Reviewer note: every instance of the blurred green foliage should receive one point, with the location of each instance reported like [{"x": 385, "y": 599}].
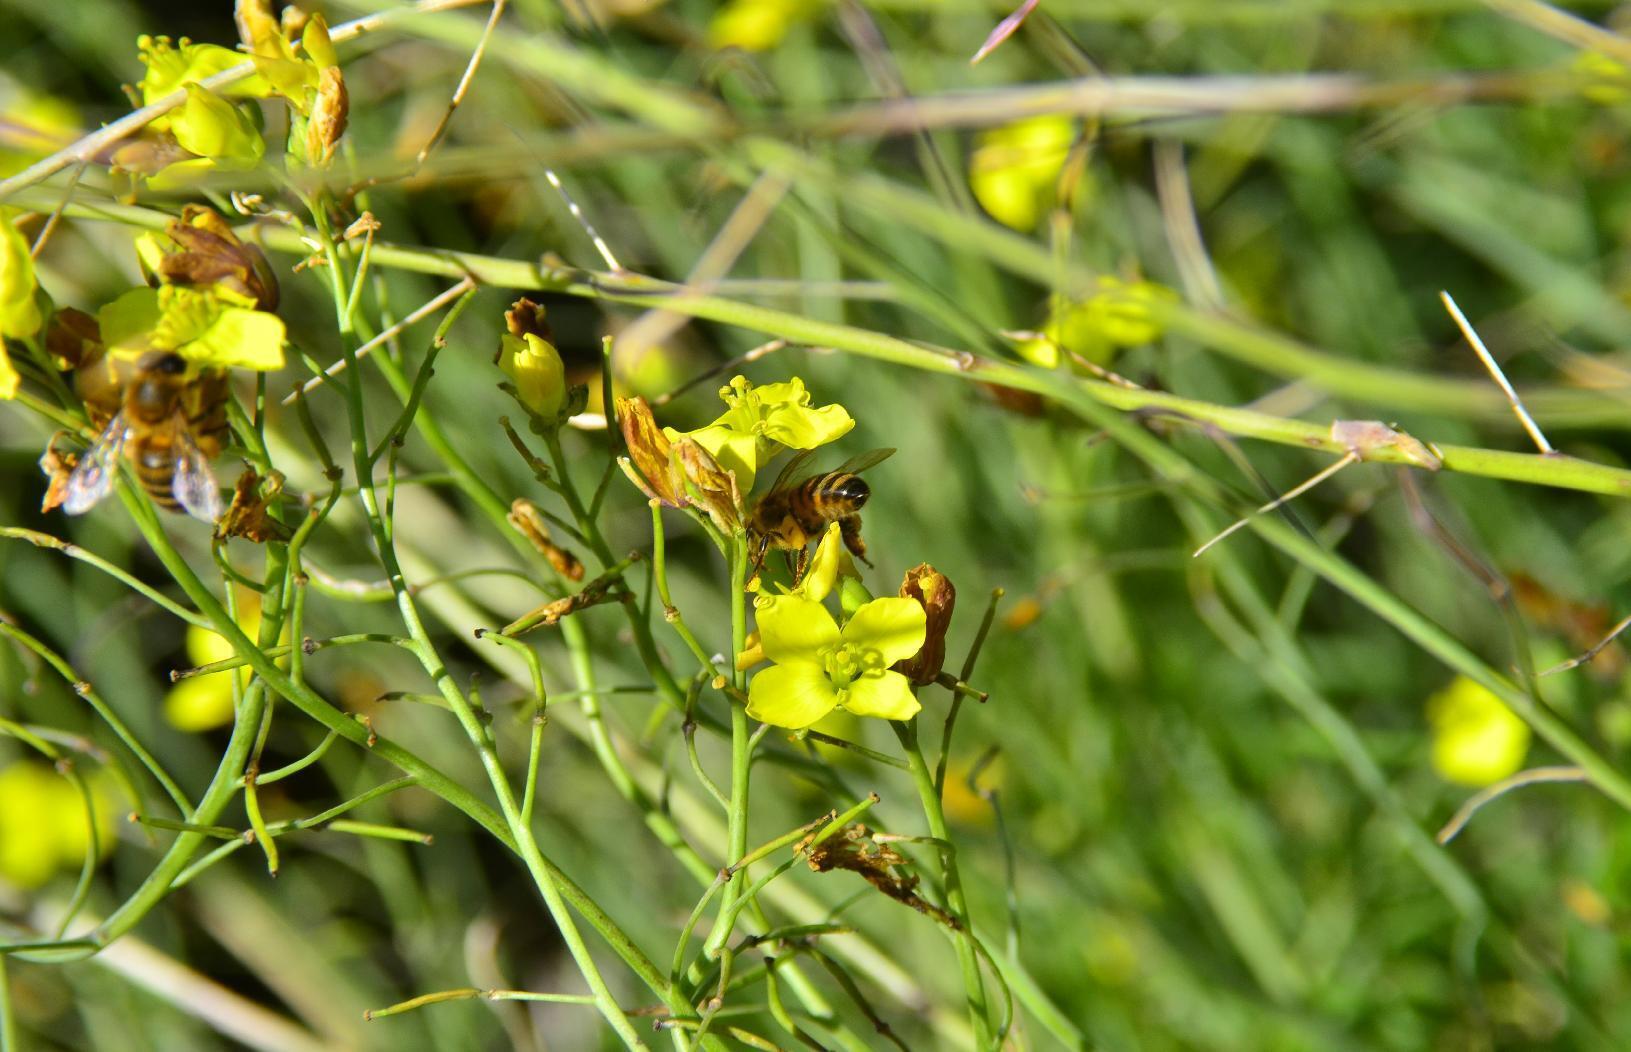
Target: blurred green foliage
[{"x": 1214, "y": 776}]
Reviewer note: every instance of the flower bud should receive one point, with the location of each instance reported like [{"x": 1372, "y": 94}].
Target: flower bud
[
  {"x": 535, "y": 366},
  {"x": 852, "y": 595},
  {"x": 649, "y": 450},
  {"x": 328, "y": 117},
  {"x": 934, "y": 592}
]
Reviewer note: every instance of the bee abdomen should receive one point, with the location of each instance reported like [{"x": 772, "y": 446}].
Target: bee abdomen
[
  {"x": 838, "y": 494},
  {"x": 156, "y": 471}
]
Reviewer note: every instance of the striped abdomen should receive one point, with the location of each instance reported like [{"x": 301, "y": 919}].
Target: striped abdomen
[
  {"x": 153, "y": 453},
  {"x": 830, "y": 497}
]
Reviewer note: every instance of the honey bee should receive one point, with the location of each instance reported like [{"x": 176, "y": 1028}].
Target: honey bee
[
  {"x": 169, "y": 423},
  {"x": 792, "y": 514}
]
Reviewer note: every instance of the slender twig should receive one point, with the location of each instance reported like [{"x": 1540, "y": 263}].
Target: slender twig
[
  {"x": 1533, "y": 776},
  {"x": 1495, "y": 371},
  {"x": 430, "y": 306},
  {"x": 1289, "y": 495}
]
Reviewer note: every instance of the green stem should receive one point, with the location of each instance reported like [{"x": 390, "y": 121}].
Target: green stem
[
  {"x": 956, "y": 905},
  {"x": 741, "y": 753}
]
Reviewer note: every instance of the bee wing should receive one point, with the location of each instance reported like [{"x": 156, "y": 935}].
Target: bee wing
[
  {"x": 194, "y": 486},
  {"x": 92, "y": 477},
  {"x": 861, "y": 461},
  {"x": 790, "y": 469}
]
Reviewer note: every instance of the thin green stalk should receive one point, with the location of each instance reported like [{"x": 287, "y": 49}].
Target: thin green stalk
[
  {"x": 108, "y": 716},
  {"x": 741, "y": 752},
  {"x": 540, "y": 703},
  {"x": 8, "y": 1019},
  {"x": 956, "y": 905},
  {"x": 74, "y": 551}
]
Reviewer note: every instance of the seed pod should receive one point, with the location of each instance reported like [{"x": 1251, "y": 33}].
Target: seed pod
[{"x": 529, "y": 523}]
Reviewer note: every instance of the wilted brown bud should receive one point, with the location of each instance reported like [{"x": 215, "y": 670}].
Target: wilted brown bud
[
  {"x": 525, "y": 316},
  {"x": 714, "y": 488},
  {"x": 247, "y": 516},
  {"x": 649, "y": 449},
  {"x": 529, "y": 523},
  {"x": 72, "y": 337},
  {"x": 328, "y": 117},
  {"x": 56, "y": 466},
  {"x": 935, "y": 594},
  {"x": 256, "y": 23},
  {"x": 211, "y": 254}
]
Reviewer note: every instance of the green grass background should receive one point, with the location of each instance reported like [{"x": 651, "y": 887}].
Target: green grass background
[{"x": 1213, "y": 775}]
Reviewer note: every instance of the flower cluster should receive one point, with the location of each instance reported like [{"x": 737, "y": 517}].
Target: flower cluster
[
  {"x": 210, "y": 299},
  {"x": 220, "y": 131},
  {"x": 761, "y": 421}
]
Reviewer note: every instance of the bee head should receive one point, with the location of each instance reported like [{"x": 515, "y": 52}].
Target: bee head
[{"x": 157, "y": 386}]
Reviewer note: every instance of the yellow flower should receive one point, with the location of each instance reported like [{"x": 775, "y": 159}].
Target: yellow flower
[
  {"x": 535, "y": 366},
  {"x": 755, "y": 25},
  {"x": 202, "y": 703},
  {"x": 43, "y": 824},
  {"x": 1117, "y": 314},
  {"x": 1477, "y": 740},
  {"x": 19, "y": 314},
  {"x": 212, "y": 326},
  {"x": 819, "y": 666},
  {"x": 1014, "y": 171},
  {"x": 760, "y": 421}
]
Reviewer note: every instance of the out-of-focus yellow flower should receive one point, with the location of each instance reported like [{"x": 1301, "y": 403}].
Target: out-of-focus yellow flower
[
  {"x": 756, "y": 25},
  {"x": 202, "y": 703},
  {"x": 1014, "y": 171},
  {"x": 962, "y": 804},
  {"x": 1117, "y": 314},
  {"x": 19, "y": 314},
  {"x": 1477, "y": 740},
  {"x": 43, "y": 824},
  {"x": 1604, "y": 80}
]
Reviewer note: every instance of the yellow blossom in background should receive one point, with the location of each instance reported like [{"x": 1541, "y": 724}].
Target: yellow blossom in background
[
  {"x": 964, "y": 805},
  {"x": 43, "y": 825},
  {"x": 202, "y": 703},
  {"x": 1606, "y": 81},
  {"x": 1118, "y": 314},
  {"x": 1477, "y": 740},
  {"x": 755, "y": 25},
  {"x": 1014, "y": 171}
]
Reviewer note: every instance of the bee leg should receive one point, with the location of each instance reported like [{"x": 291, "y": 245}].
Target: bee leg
[
  {"x": 803, "y": 563},
  {"x": 849, "y": 528},
  {"x": 759, "y": 559}
]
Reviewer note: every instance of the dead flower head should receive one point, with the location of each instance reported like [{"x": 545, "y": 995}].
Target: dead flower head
[{"x": 934, "y": 592}]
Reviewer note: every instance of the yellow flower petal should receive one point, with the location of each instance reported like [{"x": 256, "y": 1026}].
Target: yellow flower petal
[
  {"x": 893, "y": 628},
  {"x": 830, "y": 560},
  {"x": 793, "y": 695},
  {"x": 886, "y": 695},
  {"x": 792, "y": 628}
]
